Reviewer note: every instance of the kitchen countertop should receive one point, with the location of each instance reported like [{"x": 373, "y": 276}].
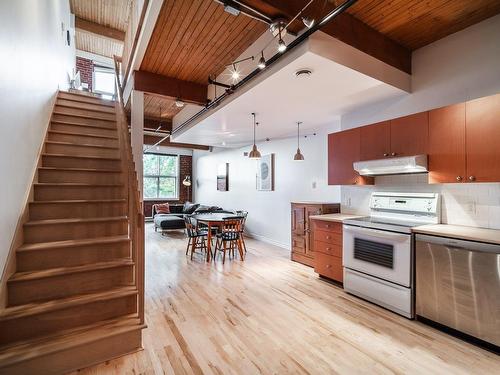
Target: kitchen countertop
[
  {"x": 460, "y": 232},
  {"x": 335, "y": 217}
]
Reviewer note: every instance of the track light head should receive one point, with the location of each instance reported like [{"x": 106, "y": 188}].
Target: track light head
[
  {"x": 235, "y": 74},
  {"x": 262, "y": 61},
  {"x": 281, "y": 45},
  {"x": 308, "y": 22}
]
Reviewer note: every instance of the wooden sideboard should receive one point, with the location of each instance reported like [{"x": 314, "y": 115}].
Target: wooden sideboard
[
  {"x": 302, "y": 238},
  {"x": 327, "y": 240}
]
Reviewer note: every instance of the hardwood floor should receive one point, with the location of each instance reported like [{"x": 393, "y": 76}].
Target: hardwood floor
[{"x": 269, "y": 315}]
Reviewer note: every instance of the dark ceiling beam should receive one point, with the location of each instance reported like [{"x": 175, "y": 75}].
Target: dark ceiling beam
[
  {"x": 345, "y": 28},
  {"x": 156, "y": 84},
  {"x": 151, "y": 140},
  {"x": 100, "y": 30}
]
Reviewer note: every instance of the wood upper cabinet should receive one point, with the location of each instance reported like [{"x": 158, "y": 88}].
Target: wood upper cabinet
[
  {"x": 375, "y": 142},
  {"x": 343, "y": 151},
  {"x": 410, "y": 134},
  {"x": 447, "y": 160},
  {"x": 482, "y": 127}
]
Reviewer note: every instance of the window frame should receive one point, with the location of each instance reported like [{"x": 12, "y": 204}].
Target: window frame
[
  {"x": 102, "y": 69},
  {"x": 177, "y": 178}
]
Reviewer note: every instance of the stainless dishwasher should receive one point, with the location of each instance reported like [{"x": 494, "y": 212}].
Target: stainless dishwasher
[{"x": 458, "y": 285}]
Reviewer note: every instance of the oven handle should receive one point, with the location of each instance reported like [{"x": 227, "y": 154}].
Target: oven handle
[{"x": 377, "y": 233}]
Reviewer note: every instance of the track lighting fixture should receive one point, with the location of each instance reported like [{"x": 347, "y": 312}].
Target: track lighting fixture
[
  {"x": 179, "y": 103},
  {"x": 298, "y": 156},
  {"x": 254, "y": 154},
  {"x": 262, "y": 61},
  {"x": 281, "y": 44},
  {"x": 308, "y": 22},
  {"x": 235, "y": 74}
]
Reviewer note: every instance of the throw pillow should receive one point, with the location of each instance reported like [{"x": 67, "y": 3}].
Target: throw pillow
[
  {"x": 189, "y": 208},
  {"x": 162, "y": 208}
]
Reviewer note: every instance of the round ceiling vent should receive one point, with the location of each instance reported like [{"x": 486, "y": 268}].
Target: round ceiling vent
[{"x": 303, "y": 73}]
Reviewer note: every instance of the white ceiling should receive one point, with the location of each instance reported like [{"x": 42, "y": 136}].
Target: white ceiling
[{"x": 282, "y": 99}]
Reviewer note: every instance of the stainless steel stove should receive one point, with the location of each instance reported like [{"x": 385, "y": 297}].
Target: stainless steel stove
[{"x": 378, "y": 249}]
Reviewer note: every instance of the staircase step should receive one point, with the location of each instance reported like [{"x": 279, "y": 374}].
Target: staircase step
[
  {"x": 73, "y": 349},
  {"x": 84, "y": 113},
  {"x": 76, "y": 191},
  {"x": 30, "y": 321},
  {"x": 55, "y": 283},
  {"x": 90, "y": 139},
  {"x": 70, "y": 253},
  {"x": 61, "y": 102},
  {"x": 87, "y": 162},
  {"x": 83, "y": 120},
  {"x": 80, "y": 208},
  {"x": 83, "y": 175},
  {"x": 83, "y": 98},
  {"x": 74, "y": 229},
  {"x": 84, "y": 129},
  {"x": 80, "y": 149}
]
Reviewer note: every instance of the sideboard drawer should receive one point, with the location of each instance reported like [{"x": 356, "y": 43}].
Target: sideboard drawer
[
  {"x": 328, "y": 266},
  {"x": 328, "y": 237},
  {"x": 329, "y": 249},
  {"x": 328, "y": 226}
]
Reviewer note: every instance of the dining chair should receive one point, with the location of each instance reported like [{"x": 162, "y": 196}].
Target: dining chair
[
  {"x": 229, "y": 237},
  {"x": 244, "y": 215},
  {"x": 197, "y": 238}
]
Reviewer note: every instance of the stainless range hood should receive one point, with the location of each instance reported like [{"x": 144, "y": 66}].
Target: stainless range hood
[{"x": 397, "y": 165}]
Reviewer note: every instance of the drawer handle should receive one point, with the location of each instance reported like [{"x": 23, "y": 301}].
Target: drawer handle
[
  {"x": 328, "y": 248},
  {"x": 328, "y": 266},
  {"x": 327, "y": 226},
  {"x": 327, "y": 237}
]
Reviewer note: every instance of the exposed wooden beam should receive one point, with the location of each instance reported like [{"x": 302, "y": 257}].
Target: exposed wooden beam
[
  {"x": 151, "y": 140},
  {"x": 345, "y": 27},
  {"x": 156, "y": 84},
  {"x": 102, "y": 31}
]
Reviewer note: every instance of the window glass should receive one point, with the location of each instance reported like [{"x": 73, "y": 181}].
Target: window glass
[
  {"x": 104, "y": 81},
  {"x": 160, "y": 176}
]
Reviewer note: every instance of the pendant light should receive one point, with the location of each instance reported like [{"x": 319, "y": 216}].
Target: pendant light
[
  {"x": 281, "y": 43},
  {"x": 298, "y": 156},
  {"x": 262, "y": 61},
  {"x": 254, "y": 154}
]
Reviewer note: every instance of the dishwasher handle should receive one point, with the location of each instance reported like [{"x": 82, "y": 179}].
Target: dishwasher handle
[{"x": 455, "y": 243}]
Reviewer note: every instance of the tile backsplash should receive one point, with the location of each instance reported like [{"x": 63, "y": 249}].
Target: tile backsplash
[{"x": 469, "y": 204}]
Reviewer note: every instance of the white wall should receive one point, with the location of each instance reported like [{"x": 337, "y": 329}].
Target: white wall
[
  {"x": 35, "y": 61},
  {"x": 269, "y": 212},
  {"x": 460, "y": 67}
]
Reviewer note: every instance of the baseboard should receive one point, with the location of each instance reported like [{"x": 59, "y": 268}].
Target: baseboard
[{"x": 268, "y": 240}]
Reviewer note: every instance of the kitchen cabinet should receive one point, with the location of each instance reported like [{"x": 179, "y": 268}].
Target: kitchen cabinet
[
  {"x": 328, "y": 249},
  {"x": 302, "y": 238},
  {"x": 343, "y": 151},
  {"x": 447, "y": 158},
  {"x": 482, "y": 129},
  {"x": 410, "y": 135},
  {"x": 375, "y": 142}
]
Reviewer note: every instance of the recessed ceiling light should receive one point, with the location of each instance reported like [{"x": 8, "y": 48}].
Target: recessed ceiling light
[{"x": 303, "y": 73}]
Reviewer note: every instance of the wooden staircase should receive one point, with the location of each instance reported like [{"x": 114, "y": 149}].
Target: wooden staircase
[{"x": 76, "y": 296}]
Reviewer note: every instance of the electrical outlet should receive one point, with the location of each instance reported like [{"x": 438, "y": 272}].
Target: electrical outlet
[{"x": 314, "y": 185}]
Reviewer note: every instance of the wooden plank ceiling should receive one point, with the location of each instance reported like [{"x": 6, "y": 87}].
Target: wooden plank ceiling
[
  {"x": 160, "y": 107},
  {"x": 194, "y": 39},
  {"x": 112, "y": 14}
]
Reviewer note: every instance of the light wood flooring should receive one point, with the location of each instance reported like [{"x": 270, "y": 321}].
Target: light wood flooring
[{"x": 269, "y": 315}]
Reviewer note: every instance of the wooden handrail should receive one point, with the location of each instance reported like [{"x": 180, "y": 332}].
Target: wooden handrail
[{"x": 134, "y": 202}]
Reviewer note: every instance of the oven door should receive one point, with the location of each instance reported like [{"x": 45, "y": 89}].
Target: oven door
[{"x": 379, "y": 253}]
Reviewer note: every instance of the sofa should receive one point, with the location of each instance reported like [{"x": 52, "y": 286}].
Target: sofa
[{"x": 175, "y": 219}]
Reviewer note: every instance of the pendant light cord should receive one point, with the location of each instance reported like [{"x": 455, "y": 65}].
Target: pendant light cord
[
  {"x": 253, "y": 114},
  {"x": 298, "y": 135}
]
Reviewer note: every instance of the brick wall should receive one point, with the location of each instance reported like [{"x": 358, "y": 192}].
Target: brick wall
[
  {"x": 86, "y": 68},
  {"x": 185, "y": 169}
]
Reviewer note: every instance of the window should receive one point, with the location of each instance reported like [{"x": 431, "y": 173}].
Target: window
[
  {"x": 104, "y": 81},
  {"x": 161, "y": 175}
]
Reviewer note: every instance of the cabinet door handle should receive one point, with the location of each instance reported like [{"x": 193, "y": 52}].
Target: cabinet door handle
[
  {"x": 472, "y": 178},
  {"x": 459, "y": 178},
  {"x": 327, "y": 237},
  {"x": 393, "y": 153},
  {"x": 328, "y": 266},
  {"x": 328, "y": 248},
  {"x": 386, "y": 154},
  {"x": 327, "y": 225}
]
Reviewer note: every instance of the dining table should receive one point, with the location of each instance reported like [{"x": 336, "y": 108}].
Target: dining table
[{"x": 212, "y": 219}]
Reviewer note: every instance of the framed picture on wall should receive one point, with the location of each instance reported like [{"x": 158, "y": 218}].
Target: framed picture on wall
[
  {"x": 223, "y": 177},
  {"x": 265, "y": 173}
]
